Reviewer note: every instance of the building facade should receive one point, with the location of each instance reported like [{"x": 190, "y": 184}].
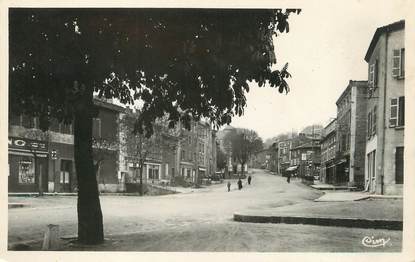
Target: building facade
[
  {"x": 196, "y": 152},
  {"x": 306, "y": 159},
  {"x": 284, "y": 155},
  {"x": 328, "y": 153},
  {"x": 44, "y": 161},
  {"x": 386, "y": 110},
  {"x": 285, "y": 158},
  {"x": 273, "y": 159},
  {"x": 351, "y": 133}
]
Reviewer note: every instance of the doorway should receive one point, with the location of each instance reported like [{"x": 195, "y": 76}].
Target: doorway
[{"x": 65, "y": 176}]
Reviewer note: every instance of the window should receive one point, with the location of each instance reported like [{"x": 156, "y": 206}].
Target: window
[
  {"x": 399, "y": 165},
  {"x": 398, "y": 60},
  {"x": 183, "y": 155},
  {"x": 153, "y": 172},
  {"x": 65, "y": 171},
  {"x": 397, "y": 114},
  {"x": 96, "y": 127},
  {"x": 26, "y": 172}
]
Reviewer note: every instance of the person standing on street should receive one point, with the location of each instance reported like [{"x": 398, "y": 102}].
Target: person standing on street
[
  {"x": 239, "y": 184},
  {"x": 249, "y": 180},
  {"x": 229, "y": 186},
  {"x": 288, "y": 177}
]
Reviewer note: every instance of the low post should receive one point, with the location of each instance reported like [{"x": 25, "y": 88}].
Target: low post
[{"x": 51, "y": 239}]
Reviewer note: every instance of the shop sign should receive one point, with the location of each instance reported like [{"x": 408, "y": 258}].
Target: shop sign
[{"x": 29, "y": 145}]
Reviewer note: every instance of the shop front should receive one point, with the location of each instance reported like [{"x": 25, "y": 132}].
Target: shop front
[
  {"x": 341, "y": 172},
  {"x": 28, "y": 165}
]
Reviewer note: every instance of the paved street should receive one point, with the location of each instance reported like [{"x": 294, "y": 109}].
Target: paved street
[{"x": 198, "y": 221}]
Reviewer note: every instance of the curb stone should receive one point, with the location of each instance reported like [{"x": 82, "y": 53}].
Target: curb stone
[
  {"x": 17, "y": 205},
  {"x": 322, "y": 221}
]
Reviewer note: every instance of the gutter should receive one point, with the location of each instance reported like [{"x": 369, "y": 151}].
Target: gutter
[{"x": 384, "y": 115}]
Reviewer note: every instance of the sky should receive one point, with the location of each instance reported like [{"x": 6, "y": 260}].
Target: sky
[{"x": 325, "y": 48}]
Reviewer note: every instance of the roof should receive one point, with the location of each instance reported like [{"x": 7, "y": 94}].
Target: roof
[
  {"x": 381, "y": 30},
  {"x": 329, "y": 128},
  {"x": 358, "y": 83}
]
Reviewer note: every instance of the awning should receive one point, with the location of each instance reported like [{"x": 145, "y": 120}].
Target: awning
[{"x": 291, "y": 168}]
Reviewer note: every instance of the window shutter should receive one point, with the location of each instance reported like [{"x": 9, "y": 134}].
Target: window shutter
[
  {"x": 375, "y": 109},
  {"x": 399, "y": 165},
  {"x": 402, "y": 62},
  {"x": 369, "y": 123},
  {"x": 375, "y": 73},
  {"x": 401, "y": 111},
  {"x": 371, "y": 74},
  {"x": 396, "y": 63},
  {"x": 393, "y": 120}
]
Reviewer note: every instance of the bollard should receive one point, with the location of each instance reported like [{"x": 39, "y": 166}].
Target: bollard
[{"x": 51, "y": 239}]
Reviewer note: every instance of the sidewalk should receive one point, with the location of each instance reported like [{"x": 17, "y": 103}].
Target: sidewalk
[{"x": 347, "y": 209}]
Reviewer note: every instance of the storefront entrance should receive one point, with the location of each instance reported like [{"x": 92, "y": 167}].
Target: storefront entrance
[
  {"x": 65, "y": 178},
  {"x": 28, "y": 165},
  {"x": 371, "y": 172}
]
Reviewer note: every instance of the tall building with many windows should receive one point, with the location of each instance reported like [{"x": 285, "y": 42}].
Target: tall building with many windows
[
  {"x": 386, "y": 110},
  {"x": 350, "y": 132},
  {"x": 44, "y": 161}
]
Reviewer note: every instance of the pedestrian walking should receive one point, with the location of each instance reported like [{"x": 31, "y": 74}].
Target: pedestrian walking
[
  {"x": 249, "y": 180},
  {"x": 288, "y": 177},
  {"x": 229, "y": 186},
  {"x": 239, "y": 184}
]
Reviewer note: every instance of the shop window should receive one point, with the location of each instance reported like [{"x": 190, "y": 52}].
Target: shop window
[{"x": 26, "y": 172}]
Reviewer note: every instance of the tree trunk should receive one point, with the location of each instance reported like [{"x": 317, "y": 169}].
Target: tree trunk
[
  {"x": 141, "y": 182},
  {"x": 90, "y": 226},
  {"x": 141, "y": 179}
]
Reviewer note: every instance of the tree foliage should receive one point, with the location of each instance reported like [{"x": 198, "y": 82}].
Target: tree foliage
[
  {"x": 182, "y": 63},
  {"x": 221, "y": 158},
  {"x": 186, "y": 63},
  {"x": 244, "y": 143}
]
